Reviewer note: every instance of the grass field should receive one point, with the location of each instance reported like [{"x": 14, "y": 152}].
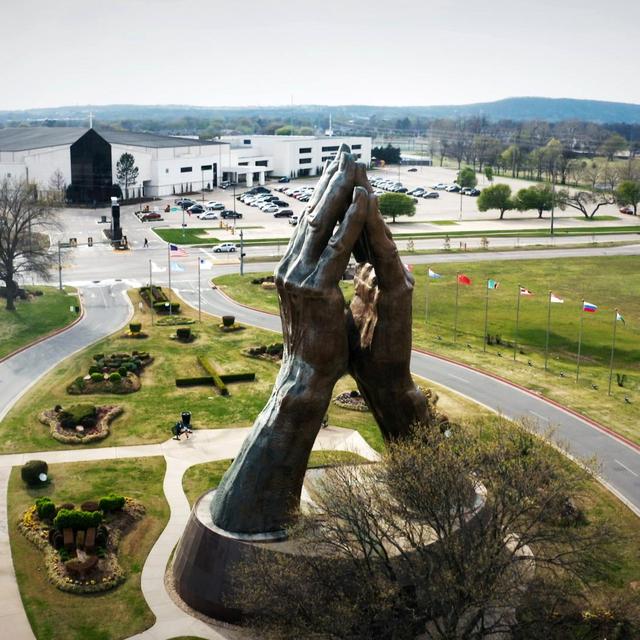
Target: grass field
[
  {"x": 607, "y": 282},
  {"x": 35, "y": 318},
  {"x": 115, "y": 614}
]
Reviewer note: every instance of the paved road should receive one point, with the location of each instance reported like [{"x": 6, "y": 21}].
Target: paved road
[{"x": 106, "y": 310}]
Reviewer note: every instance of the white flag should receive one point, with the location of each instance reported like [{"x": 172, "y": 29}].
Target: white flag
[{"x": 553, "y": 298}]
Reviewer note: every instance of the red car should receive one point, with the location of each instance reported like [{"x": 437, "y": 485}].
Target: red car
[
  {"x": 151, "y": 216},
  {"x": 628, "y": 210}
]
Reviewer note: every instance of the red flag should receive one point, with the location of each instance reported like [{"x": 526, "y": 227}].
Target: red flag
[{"x": 462, "y": 279}]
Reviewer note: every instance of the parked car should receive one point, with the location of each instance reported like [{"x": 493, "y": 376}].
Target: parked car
[
  {"x": 283, "y": 213},
  {"x": 453, "y": 188},
  {"x": 153, "y": 215},
  {"x": 430, "y": 194},
  {"x": 412, "y": 170},
  {"x": 225, "y": 183},
  {"x": 196, "y": 208},
  {"x": 280, "y": 203},
  {"x": 293, "y": 220},
  {"x": 208, "y": 215},
  {"x": 227, "y": 214},
  {"x": 225, "y": 247},
  {"x": 418, "y": 191},
  {"x": 218, "y": 206},
  {"x": 181, "y": 202},
  {"x": 401, "y": 189},
  {"x": 474, "y": 192},
  {"x": 441, "y": 186},
  {"x": 271, "y": 209},
  {"x": 628, "y": 210},
  {"x": 283, "y": 179}
]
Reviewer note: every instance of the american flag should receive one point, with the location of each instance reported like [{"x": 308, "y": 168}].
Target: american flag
[{"x": 176, "y": 252}]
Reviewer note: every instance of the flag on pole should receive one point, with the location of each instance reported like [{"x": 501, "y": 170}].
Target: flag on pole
[
  {"x": 619, "y": 317},
  {"x": 462, "y": 279},
  {"x": 492, "y": 284},
  {"x": 176, "y": 251},
  {"x": 205, "y": 265},
  {"x": 588, "y": 307},
  {"x": 433, "y": 274},
  {"x": 525, "y": 292},
  {"x": 553, "y": 298}
]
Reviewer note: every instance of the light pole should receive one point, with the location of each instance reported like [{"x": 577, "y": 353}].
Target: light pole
[
  {"x": 241, "y": 253},
  {"x": 234, "y": 206},
  {"x": 59, "y": 267}
]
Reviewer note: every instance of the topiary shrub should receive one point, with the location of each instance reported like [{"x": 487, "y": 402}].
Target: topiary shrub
[
  {"x": 123, "y": 372},
  {"x": 77, "y": 520},
  {"x": 31, "y": 471},
  {"x": 45, "y": 508},
  {"x": 183, "y": 334},
  {"x": 98, "y": 357},
  {"x": 228, "y": 321},
  {"x": 111, "y": 503},
  {"x": 115, "y": 377},
  {"x": 94, "y": 369},
  {"x": 97, "y": 377},
  {"x": 79, "y": 414},
  {"x": 135, "y": 327}
]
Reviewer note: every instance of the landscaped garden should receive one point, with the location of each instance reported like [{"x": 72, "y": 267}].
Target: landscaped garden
[
  {"x": 35, "y": 316},
  {"x": 87, "y": 530},
  {"x": 609, "y": 282}
]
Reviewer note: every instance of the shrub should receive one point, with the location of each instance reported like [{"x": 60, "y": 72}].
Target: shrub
[
  {"x": 76, "y": 519},
  {"x": 67, "y": 505},
  {"x": 228, "y": 321},
  {"x": 183, "y": 334},
  {"x": 79, "y": 414},
  {"x": 94, "y": 369},
  {"x": 135, "y": 327},
  {"x": 97, "y": 377},
  {"x": 90, "y": 505},
  {"x": 193, "y": 382},
  {"x": 123, "y": 372},
  {"x": 45, "y": 508},
  {"x": 111, "y": 503},
  {"x": 98, "y": 357},
  {"x": 31, "y": 471},
  {"x": 275, "y": 349},
  {"x": 115, "y": 377}
]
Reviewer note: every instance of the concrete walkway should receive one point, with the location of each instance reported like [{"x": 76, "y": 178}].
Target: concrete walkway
[{"x": 204, "y": 445}]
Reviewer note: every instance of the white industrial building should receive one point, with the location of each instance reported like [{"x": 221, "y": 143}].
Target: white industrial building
[{"x": 86, "y": 159}]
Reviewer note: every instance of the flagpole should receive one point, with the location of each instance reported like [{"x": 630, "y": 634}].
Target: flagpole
[
  {"x": 169, "y": 271},
  {"x": 579, "y": 342},
  {"x": 515, "y": 342},
  {"x": 199, "y": 298},
  {"x": 486, "y": 317},
  {"x": 455, "y": 319},
  {"x": 613, "y": 347},
  {"x": 426, "y": 301},
  {"x": 151, "y": 293},
  {"x": 546, "y": 346}
]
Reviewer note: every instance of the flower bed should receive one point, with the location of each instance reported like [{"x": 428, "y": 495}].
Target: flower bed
[
  {"x": 272, "y": 352},
  {"x": 104, "y": 416},
  {"x": 351, "y": 400},
  {"x": 85, "y": 572}
]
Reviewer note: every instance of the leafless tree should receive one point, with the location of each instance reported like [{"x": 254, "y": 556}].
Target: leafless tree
[
  {"x": 586, "y": 202},
  {"x": 24, "y": 247},
  {"x": 415, "y": 547}
]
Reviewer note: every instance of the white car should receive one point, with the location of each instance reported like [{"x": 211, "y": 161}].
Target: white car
[
  {"x": 293, "y": 220},
  {"x": 225, "y": 247},
  {"x": 207, "y": 215},
  {"x": 271, "y": 208},
  {"x": 212, "y": 203}
]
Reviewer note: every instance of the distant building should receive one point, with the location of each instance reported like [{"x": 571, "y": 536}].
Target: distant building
[{"x": 86, "y": 158}]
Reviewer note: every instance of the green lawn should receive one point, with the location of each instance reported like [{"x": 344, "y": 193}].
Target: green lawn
[
  {"x": 206, "y": 476},
  {"x": 36, "y": 317},
  {"x": 607, "y": 282},
  {"x": 121, "y": 612}
]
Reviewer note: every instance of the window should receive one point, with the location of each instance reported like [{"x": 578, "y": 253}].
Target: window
[
  {"x": 325, "y": 158},
  {"x": 305, "y": 160},
  {"x": 185, "y": 169},
  {"x": 243, "y": 164},
  {"x": 262, "y": 163},
  {"x": 356, "y": 146},
  {"x": 305, "y": 150},
  {"x": 330, "y": 148},
  {"x": 247, "y": 141},
  {"x": 206, "y": 167}
]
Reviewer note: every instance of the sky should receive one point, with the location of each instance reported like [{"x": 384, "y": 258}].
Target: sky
[{"x": 379, "y": 52}]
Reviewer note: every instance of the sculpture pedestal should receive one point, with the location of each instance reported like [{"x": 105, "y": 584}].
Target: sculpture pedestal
[{"x": 206, "y": 558}]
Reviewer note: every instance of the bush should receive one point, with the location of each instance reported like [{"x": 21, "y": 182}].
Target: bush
[
  {"x": 135, "y": 327},
  {"x": 31, "y": 471},
  {"x": 94, "y": 369},
  {"x": 228, "y": 321},
  {"x": 183, "y": 334},
  {"x": 79, "y": 414},
  {"x": 193, "y": 382},
  {"x": 115, "y": 377},
  {"x": 97, "y": 377},
  {"x": 67, "y": 505},
  {"x": 123, "y": 372},
  {"x": 111, "y": 503},
  {"x": 98, "y": 357},
  {"x": 76, "y": 519},
  {"x": 45, "y": 508}
]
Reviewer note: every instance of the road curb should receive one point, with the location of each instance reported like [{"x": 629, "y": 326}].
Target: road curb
[{"x": 56, "y": 332}]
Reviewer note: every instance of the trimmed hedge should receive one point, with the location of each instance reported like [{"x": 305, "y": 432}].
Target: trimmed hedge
[
  {"x": 31, "y": 470},
  {"x": 183, "y": 334},
  {"x": 228, "y": 321},
  {"x": 97, "y": 377},
  {"x": 115, "y": 377},
  {"x": 135, "y": 327},
  {"x": 76, "y": 519},
  {"x": 79, "y": 414},
  {"x": 193, "y": 382},
  {"x": 45, "y": 508},
  {"x": 111, "y": 503},
  {"x": 228, "y": 378},
  {"x": 211, "y": 370}
]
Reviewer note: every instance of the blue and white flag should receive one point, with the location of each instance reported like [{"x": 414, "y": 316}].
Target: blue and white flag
[{"x": 434, "y": 275}]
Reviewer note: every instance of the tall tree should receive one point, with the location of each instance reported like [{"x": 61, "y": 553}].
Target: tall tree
[
  {"x": 126, "y": 172},
  {"x": 393, "y": 205},
  {"x": 612, "y": 145},
  {"x": 497, "y": 196},
  {"x": 628, "y": 194},
  {"x": 24, "y": 247},
  {"x": 539, "y": 197},
  {"x": 467, "y": 177}
]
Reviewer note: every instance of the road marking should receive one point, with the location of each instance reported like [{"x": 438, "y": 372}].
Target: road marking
[
  {"x": 624, "y": 466},
  {"x": 453, "y": 375},
  {"x": 537, "y": 415}
]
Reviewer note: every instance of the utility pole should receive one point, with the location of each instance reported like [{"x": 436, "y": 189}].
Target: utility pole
[
  {"x": 59, "y": 267},
  {"x": 241, "y": 253}
]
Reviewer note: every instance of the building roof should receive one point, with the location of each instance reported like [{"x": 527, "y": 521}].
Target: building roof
[{"x": 24, "y": 138}]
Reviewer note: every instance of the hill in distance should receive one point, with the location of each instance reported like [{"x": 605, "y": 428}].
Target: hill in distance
[{"x": 521, "y": 108}]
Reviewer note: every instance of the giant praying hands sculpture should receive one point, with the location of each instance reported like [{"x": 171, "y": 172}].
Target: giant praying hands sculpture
[{"x": 324, "y": 339}]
